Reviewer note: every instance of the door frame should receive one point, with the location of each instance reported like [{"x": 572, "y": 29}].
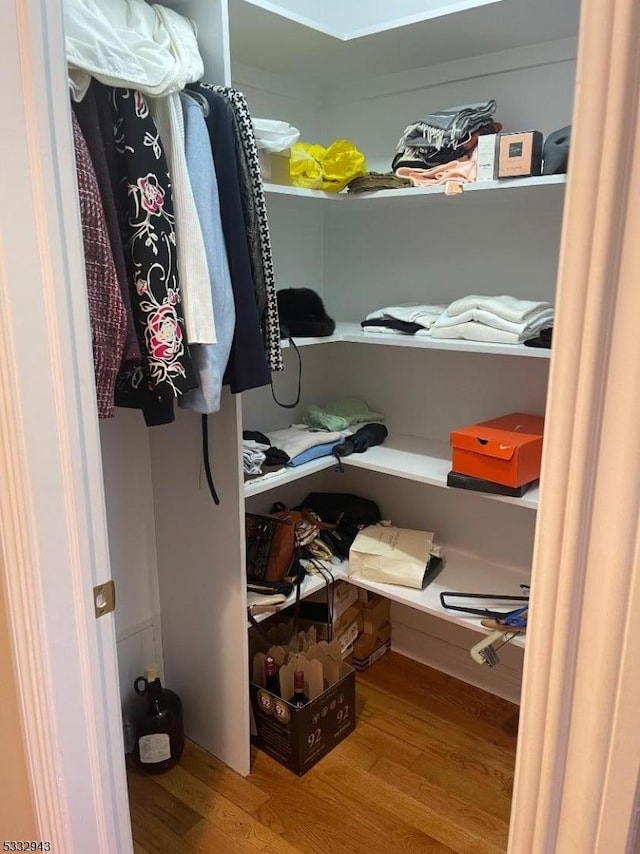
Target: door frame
[
  {"x": 579, "y": 746},
  {"x": 53, "y": 521}
]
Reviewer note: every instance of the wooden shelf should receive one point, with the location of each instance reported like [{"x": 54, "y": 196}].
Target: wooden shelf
[
  {"x": 274, "y": 480},
  {"x": 461, "y": 573},
  {"x": 407, "y": 457},
  {"x": 426, "y": 462},
  {"x": 353, "y": 333},
  {"x": 310, "y": 585},
  {"x": 403, "y": 197}
]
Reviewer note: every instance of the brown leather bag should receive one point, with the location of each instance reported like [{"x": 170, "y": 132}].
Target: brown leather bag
[{"x": 271, "y": 547}]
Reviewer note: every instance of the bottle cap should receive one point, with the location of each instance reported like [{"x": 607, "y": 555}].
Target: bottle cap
[
  {"x": 270, "y": 667},
  {"x": 298, "y": 680},
  {"x": 151, "y": 672}
]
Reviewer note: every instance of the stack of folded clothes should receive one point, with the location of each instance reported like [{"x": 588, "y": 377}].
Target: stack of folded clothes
[
  {"x": 259, "y": 455},
  {"x": 373, "y": 181},
  {"x": 303, "y": 443},
  {"x": 339, "y": 428},
  {"x": 441, "y": 147},
  {"x": 407, "y": 319},
  {"x": 498, "y": 319},
  {"x": 341, "y": 414}
]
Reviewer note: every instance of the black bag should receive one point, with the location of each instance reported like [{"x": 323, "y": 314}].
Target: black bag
[{"x": 349, "y": 513}]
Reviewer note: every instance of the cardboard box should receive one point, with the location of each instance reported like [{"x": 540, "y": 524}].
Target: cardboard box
[
  {"x": 345, "y": 595},
  {"x": 519, "y": 154},
  {"x": 506, "y": 450},
  {"x": 369, "y": 648},
  {"x": 299, "y": 738},
  {"x": 376, "y": 615},
  {"x": 365, "y": 663},
  {"x": 366, "y": 596},
  {"x": 274, "y": 168},
  {"x": 487, "y": 145},
  {"x": 351, "y": 615}
]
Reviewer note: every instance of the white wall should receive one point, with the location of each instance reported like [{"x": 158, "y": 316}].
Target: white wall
[
  {"x": 538, "y": 98},
  {"x": 503, "y": 242},
  {"x": 132, "y": 544}
]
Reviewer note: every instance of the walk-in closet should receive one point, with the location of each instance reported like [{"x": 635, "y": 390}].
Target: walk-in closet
[{"x": 361, "y": 72}]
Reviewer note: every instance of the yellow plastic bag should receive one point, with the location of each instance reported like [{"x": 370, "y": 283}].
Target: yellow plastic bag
[{"x": 329, "y": 169}]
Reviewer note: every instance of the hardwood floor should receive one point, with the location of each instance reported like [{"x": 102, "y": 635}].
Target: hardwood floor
[{"x": 429, "y": 768}]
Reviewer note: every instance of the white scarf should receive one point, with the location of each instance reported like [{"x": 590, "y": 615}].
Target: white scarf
[{"x": 130, "y": 44}]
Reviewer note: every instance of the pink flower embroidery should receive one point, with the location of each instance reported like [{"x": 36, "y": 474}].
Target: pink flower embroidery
[
  {"x": 151, "y": 194},
  {"x": 164, "y": 334},
  {"x": 140, "y": 105},
  {"x": 142, "y": 287}
]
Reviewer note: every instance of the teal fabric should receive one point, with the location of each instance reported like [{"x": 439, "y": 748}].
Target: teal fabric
[{"x": 341, "y": 414}]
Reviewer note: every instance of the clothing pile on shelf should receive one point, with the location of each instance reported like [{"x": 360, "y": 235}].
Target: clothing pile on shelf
[
  {"x": 178, "y": 255},
  {"x": 259, "y": 455},
  {"x": 500, "y": 320},
  {"x": 489, "y": 319},
  {"x": 377, "y": 181},
  {"x": 274, "y": 136},
  {"x": 408, "y": 319},
  {"x": 441, "y": 148},
  {"x": 340, "y": 428}
]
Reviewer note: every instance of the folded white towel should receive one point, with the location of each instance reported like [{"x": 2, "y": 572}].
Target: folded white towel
[
  {"x": 533, "y": 322},
  {"x": 507, "y": 307},
  {"x": 425, "y": 315},
  {"x": 474, "y": 331}
]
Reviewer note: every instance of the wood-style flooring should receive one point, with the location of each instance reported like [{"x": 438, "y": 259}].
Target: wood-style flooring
[{"x": 429, "y": 768}]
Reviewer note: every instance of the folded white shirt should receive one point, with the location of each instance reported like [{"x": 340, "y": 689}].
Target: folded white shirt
[
  {"x": 425, "y": 315},
  {"x": 507, "y": 307},
  {"x": 474, "y": 331},
  {"x": 534, "y": 321}
]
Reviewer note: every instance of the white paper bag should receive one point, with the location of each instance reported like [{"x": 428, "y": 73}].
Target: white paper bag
[{"x": 391, "y": 555}]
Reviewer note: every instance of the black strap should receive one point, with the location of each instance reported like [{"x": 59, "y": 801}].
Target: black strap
[
  {"x": 205, "y": 456},
  {"x": 297, "y": 400}
]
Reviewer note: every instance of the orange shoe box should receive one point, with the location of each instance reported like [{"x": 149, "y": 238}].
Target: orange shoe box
[{"x": 505, "y": 450}]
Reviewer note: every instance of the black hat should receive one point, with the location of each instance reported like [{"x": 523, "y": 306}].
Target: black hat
[
  {"x": 302, "y": 314},
  {"x": 555, "y": 153}
]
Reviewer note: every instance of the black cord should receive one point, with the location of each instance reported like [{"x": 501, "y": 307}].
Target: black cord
[
  {"x": 297, "y": 400},
  {"x": 324, "y": 570},
  {"x": 205, "y": 455}
]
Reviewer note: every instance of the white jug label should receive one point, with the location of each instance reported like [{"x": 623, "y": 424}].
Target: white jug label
[{"x": 154, "y": 748}]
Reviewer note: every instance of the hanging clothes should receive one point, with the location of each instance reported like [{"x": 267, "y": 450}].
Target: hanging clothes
[
  {"x": 146, "y": 194},
  {"x": 209, "y": 360},
  {"x": 255, "y": 210},
  {"x": 130, "y": 44},
  {"x": 195, "y": 284},
  {"x": 94, "y": 117},
  {"x": 107, "y": 314},
  {"x": 247, "y": 366}
]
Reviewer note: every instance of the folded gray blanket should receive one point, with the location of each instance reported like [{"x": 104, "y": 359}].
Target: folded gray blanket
[{"x": 447, "y": 128}]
